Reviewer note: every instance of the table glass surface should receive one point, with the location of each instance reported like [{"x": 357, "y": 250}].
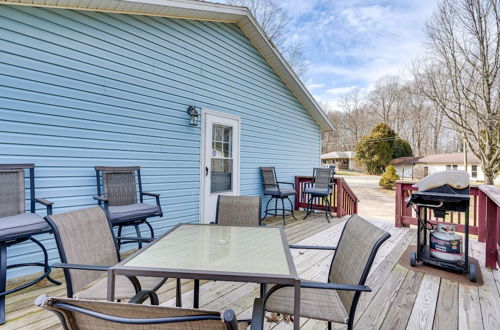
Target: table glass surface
[{"x": 217, "y": 248}]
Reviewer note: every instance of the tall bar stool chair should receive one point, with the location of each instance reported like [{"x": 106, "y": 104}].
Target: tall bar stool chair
[
  {"x": 276, "y": 191},
  {"x": 16, "y": 226},
  {"x": 120, "y": 202},
  {"x": 321, "y": 188}
]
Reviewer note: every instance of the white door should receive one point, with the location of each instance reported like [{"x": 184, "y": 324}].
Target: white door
[{"x": 220, "y": 170}]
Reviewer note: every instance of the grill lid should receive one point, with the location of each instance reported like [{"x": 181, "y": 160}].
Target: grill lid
[
  {"x": 456, "y": 180},
  {"x": 443, "y": 191}
]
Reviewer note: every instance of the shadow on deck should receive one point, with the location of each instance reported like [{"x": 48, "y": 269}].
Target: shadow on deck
[{"x": 401, "y": 298}]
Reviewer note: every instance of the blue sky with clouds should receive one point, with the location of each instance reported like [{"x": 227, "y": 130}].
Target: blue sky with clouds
[{"x": 352, "y": 43}]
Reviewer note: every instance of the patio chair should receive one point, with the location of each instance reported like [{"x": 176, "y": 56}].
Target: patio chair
[
  {"x": 87, "y": 248},
  {"x": 119, "y": 185},
  {"x": 335, "y": 301},
  {"x": 321, "y": 188},
  {"x": 16, "y": 226},
  {"x": 238, "y": 210},
  {"x": 76, "y": 314},
  {"x": 275, "y": 189}
]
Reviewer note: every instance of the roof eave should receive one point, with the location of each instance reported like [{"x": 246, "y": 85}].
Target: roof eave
[{"x": 186, "y": 9}]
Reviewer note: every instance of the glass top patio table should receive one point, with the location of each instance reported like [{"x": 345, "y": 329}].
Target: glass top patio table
[
  {"x": 215, "y": 252},
  {"x": 235, "y": 249}
]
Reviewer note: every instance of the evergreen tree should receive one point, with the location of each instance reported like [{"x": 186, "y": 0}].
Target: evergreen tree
[{"x": 375, "y": 151}]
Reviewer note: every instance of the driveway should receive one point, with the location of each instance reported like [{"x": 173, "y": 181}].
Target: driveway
[{"x": 374, "y": 202}]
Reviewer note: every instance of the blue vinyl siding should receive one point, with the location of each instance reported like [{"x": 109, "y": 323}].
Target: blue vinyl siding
[{"x": 80, "y": 88}]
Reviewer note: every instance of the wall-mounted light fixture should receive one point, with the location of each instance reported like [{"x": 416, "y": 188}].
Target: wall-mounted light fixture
[{"x": 193, "y": 114}]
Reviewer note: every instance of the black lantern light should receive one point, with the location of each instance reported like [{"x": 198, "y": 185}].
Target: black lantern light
[{"x": 193, "y": 114}]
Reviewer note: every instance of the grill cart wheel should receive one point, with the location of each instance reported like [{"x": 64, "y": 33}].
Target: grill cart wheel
[
  {"x": 472, "y": 273},
  {"x": 413, "y": 259}
]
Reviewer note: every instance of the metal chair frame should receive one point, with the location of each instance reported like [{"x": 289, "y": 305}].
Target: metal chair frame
[
  {"x": 324, "y": 198},
  {"x": 217, "y": 211},
  {"x": 134, "y": 221},
  {"x": 228, "y": 317},
  {"x": 283, "y": 211},
  {"x": 12, "y": 240},
  {"x": 357, "y": 288},
  {"x": 67, "y": 266}
]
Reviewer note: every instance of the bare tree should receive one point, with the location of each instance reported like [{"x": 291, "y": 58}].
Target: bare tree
[
  {"x": 275, "y": 21},
  {"x": 461, "y": 74},
  {"x": 384, "y": 98}
]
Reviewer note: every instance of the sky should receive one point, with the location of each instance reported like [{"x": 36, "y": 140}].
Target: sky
[{"x": 351, "y": 43}]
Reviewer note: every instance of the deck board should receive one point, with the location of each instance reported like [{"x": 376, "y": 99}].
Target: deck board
[{"x": 401, "y": 298}]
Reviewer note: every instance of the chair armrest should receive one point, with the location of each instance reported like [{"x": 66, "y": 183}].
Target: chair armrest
[
  {"x": 290, "y": 183},
  {"x": 100, "y": 198},
  {"x": 312, "y": 247},
  {"x": 141, "y": 296},
  {"x": 157, "y": 196},
  {"x": 46, "y": 203},
  {"x": 151, "y": 194},
  {"x": 81, "y": 267},
  {"x": 135, "y": 239},
  {"x": 257, "y": 322},
  {"x": 335, "y": 286}
]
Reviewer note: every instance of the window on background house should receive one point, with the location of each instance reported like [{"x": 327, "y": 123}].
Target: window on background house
[
  {"x": 455, "y": 167},
  {"x": 426, "y": 171},
  {"x": 474, "y": 171},
  {"x": 448, "y": 167}
]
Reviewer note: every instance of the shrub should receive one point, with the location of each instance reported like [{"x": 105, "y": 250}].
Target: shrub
[{"x": 389, "y": 178}]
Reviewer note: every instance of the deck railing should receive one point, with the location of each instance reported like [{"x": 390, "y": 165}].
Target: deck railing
[
  {"x": 484, "y": 216},
  {"x": 489, "y": 223},
  {"x": 342, "y": 200}
]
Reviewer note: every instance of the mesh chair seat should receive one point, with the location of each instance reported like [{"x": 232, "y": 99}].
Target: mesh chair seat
[
  {"x": 319, "y": 304},
  {"x": 25, "y": 224},
  {"x": 80, "y": 321},
  {"x": 132, "y": 211},
  {"x": 317, "y": 191},
  {"x": 281, "y": 193},
  {"x": 123, "y": 287},
  {"x": 238, "y": 210}
]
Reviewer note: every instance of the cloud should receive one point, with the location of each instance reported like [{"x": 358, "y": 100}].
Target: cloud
[
  {"x": 311, "y": 86},
  {"x": 340, "y": 90}
]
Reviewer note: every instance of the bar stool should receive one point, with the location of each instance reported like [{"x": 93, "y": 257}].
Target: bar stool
[
  {"x": 16, "y": 226},
  {"x": 321, "y": 188},
  {"x": 273, "y": 189}
]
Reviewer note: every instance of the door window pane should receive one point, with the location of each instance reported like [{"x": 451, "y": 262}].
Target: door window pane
[{"x": 221, "y": 159}]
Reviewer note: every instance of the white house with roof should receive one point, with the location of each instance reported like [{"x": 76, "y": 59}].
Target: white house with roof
[
  {"x": 419, "y": 167},
  {"x": 343, "y": 160}
]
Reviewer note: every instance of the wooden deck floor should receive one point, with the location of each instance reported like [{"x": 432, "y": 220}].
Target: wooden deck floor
[{"x": 401, "y": 298}]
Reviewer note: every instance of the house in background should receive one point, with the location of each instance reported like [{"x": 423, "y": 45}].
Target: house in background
[
  {"x": 419, "y": 167},
  {"x": 343, "y": 160},
  {"x": 86, "y": 83}
]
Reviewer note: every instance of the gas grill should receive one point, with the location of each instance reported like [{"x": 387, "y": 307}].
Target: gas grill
[{"x": 442, "y": 192}]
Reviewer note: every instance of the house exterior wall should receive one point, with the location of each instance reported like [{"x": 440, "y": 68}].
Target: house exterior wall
[{"x": 80, "y": 88}]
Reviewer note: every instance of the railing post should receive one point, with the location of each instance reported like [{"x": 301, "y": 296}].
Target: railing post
[
  {"x": 340, "y": 198},
  {"x": 297, "y": 193},
  {"x": 399, "y": 210},
  {"x": 491, "y": 229},
  {"x": 481, "y": 221}
]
